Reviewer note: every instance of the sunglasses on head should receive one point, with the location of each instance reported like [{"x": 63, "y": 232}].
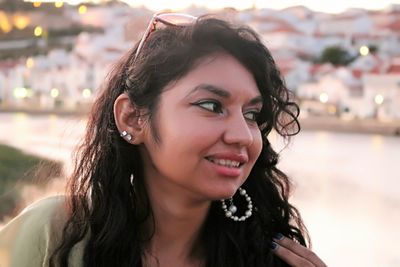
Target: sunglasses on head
[{"x": 169, "y": 19}]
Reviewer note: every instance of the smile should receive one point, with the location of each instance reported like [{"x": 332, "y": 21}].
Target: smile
[{"x": 225, "y": 162}]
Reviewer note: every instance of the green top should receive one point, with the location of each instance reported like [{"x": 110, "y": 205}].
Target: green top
[{"x": 30, "y": 238}]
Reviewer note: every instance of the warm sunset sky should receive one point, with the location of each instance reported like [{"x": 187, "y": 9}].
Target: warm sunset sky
[{"x": 319, "y": 5}]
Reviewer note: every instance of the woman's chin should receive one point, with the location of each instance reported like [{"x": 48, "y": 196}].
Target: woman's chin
[
  {"x": 223, "y": 194},
  {"x": 217, "y": 191}
]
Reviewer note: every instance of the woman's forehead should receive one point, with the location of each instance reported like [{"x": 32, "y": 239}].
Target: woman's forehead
[{"x": 220, "y": 71}]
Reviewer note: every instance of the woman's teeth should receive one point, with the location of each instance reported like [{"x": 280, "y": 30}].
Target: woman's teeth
[{"x": 225, "y": 162}]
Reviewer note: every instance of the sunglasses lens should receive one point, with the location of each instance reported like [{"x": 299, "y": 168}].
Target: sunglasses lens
[
  {"x": 171, "y": 19},
  {"x": 176, "y": 19}
]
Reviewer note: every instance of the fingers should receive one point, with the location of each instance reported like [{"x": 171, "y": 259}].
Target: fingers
[
  {"x": 295, "y": 254},
  {"x": 291, "y": 258}
]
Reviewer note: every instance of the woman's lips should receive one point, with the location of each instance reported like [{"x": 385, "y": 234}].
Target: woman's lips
[{"x": 226, "y": 168}]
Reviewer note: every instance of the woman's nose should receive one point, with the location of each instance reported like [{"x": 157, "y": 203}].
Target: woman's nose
[{"x": 237, "y": 131}]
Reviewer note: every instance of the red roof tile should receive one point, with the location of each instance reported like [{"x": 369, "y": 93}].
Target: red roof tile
[
  {"x": 8, "y": 64},
  {"x": 394, "y": 69},
  {"x": 394, "y": 26},
  {"x": 357, "y": 73}
]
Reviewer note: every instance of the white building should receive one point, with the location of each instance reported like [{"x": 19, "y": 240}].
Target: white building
[
  {"x": 60, "y": 79},
  {"x": 338, "y": 89},
  {"x": 295, "y": 71},
  {"x": 6, "y": 75},
  {"x": 382, "y": 95},
  {"x": 328, "y": 89},
  {"x": 346, "y": 24}
]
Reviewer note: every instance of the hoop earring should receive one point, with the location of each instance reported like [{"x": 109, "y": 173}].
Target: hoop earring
[
  {"x": 231, "y": 210},
  {"x": 126, "y": 135}
]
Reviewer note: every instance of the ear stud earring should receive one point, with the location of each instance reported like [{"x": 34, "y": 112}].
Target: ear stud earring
[{"x": 126, "y": 135}]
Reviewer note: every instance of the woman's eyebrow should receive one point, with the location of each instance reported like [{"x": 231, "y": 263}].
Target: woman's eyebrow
[
  {"x": 222, "y": 92},
  {"x": 212, "y": 89},
  {"x": 256, "y": 100}
]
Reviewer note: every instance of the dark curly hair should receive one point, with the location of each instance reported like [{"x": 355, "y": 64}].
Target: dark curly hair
[{"x": 107, "y": 197}]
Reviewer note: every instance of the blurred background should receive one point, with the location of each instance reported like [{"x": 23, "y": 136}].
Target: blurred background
[{"x": 340, "y": 59}]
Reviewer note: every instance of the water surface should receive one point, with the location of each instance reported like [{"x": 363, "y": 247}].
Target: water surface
[{"x": 347, "y": 186}]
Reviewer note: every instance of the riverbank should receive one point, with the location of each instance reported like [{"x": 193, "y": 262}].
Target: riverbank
[
  {"x": 79, "y": 111},
  {"x": 365, "y": 126},
  {"x": 19, "y": 172},
  {"x": 315, "y": 123}
]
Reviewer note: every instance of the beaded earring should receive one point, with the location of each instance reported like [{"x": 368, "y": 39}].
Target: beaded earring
[{"x": 232, "y": 209}]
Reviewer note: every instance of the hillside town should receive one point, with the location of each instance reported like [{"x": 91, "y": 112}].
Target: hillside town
[{"x": 343, "y": 65}]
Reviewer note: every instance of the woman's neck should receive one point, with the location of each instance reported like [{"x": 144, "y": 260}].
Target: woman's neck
[{"x": 177, "y": 227}]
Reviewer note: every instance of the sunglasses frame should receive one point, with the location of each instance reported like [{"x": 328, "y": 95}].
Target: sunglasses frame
[{"x": 163, "y": 18}]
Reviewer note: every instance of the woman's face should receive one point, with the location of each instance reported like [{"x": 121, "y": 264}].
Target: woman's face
[{"x": 209, "y": 138}]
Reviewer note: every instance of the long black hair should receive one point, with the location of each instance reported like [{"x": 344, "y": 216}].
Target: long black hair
[{"x": 108, "y": 202}]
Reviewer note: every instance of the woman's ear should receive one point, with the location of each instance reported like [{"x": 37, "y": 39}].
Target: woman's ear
[{"x": 128, "y": 120}]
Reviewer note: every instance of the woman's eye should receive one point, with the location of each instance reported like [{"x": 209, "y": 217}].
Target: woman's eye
[
  {"x": 252, "y": 115},
  {"x": 211, "y": 106}
]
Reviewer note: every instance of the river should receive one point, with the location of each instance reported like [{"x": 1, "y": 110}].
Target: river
[{"x": 347, "y": 186}]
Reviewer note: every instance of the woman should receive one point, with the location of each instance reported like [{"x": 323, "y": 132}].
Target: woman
[{"x": 176, "y": 168}]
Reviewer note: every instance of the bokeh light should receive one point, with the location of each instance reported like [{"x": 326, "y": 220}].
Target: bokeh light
[
  {"x": 20, "y": 21},
  {"x": 82, "y": 9},
  {"x": 58, "y": 4},
  {"x": 20, "y": 92},
  {"x": 379, "y": 99},
  {"x": 324, "y": 97},
  {"x": 86, "y": 93},
  {"x": 5, "y": 24},
  {"x": 30, "y": 63},
  {"x": 38, "y": 31},
  {"x": 364, "y": 50},
  {"x": 54, "y": 93}
]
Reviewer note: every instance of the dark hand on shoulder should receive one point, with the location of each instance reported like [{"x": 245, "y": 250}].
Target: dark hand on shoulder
[{"x": 295, "y": 254}]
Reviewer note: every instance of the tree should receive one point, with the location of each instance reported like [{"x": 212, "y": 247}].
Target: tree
[
  {"x": 18, "y": 169},
  {"x": 336, "y": 55},
  {"x": 373, "y": 48},
  {"x": 15, "y": 5}
]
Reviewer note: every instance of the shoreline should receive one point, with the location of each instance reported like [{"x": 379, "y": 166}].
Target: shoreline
[
  {"x": 315, "y": 123},
  {"x": 360, "y": 126},
  {"x": 82, "y": 111}
]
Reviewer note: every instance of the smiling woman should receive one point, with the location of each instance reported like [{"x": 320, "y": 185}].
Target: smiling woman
[
  {"x": 202, "y": 128},
  {"x": 176, "y": 168}
]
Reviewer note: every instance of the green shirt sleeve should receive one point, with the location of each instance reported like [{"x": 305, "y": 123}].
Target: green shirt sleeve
[{"x": 29, "y": 239}]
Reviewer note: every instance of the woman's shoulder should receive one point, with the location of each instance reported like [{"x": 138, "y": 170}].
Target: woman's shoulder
[
  {"x": 46, "y": 208},
  {"x": 40, "y": 213},
  {"x": 29, "y": 238},
  {"x": 48, "y": 211}
]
